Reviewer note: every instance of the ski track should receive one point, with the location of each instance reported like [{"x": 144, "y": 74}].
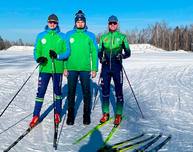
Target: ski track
[{"x": 163, "y": 85}]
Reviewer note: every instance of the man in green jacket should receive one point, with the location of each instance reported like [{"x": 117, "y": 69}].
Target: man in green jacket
[
  {"x": 110, "y": 54},
  {"x": 82, "y": 63},
  {"x": 48, "y": 44}
]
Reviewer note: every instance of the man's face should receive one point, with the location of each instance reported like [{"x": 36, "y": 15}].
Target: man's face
[
  {"x": 80, "y": 24},
  {"x": 52, "y": 24},
  {"x": 113, "y": 26}
]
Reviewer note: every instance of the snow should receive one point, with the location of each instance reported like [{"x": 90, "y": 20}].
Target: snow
[
  {"x": 162, "y": 82},
  {"x": 145, "y": 48},
  {"x": 20, "y": 48}
]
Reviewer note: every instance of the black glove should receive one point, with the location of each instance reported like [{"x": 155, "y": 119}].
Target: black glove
[
  {"x": 102, "y": 55},
  {"x": 127, "y": 51},
  {"x": 103, "y": 60},
  {"x": 42, "y": 60},
  {"x": 53, "y": 54}
]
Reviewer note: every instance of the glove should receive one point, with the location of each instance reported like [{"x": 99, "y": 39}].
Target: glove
[
  {"x": 119, "y": 56},
  {"x": 103, "y": 60},
  {"x": 42, "y": 60},
  {"x": 53, "y": 54}
]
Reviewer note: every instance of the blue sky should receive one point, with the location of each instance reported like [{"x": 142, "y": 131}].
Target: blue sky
[{"x": 25, "y": 19}]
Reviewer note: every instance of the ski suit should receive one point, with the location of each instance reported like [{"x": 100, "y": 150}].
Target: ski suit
[
  {"x": 46, "y": 41},
  {"x": 82, "y": 60},
  {"x": 110, "y": 55}
]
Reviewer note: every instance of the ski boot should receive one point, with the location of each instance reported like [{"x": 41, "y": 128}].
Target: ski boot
[
  {"x": 57, "y": 118},
  {"x": 117, "y": 120},
  {"x": 70, "y": 118},
  {"x": 86, "y": 119},
  {"x": 34, "y": 121},
  {"x": 104, "y": 118}
]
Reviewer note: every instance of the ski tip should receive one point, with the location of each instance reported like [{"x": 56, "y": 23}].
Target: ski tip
[
  {"x": 160, "y": 134},
  {"x": 169, "y": 136}
]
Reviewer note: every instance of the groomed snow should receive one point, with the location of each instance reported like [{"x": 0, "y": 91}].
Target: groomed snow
[{"x": 163, "y": 85}]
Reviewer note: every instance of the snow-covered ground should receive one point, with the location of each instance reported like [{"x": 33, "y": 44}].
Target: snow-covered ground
[{"x": 163, "y": 85}]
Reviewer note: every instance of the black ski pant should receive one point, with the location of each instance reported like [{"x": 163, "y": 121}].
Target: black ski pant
[{"x": 85, "y": 84}]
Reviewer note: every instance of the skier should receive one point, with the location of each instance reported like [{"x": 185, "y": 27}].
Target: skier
[
  {"x": 110, "y": 55},
  {"x": 48, "y": 44},
  {"x": 82, "y": 63}
]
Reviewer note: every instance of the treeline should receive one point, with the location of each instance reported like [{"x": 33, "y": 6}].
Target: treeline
[
  {"x": 159, "y": 35},
  {"x": 5, "y": 44},
  {"x": 162, "y": 36}
]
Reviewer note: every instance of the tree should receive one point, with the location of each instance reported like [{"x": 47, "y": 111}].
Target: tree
[
  {"x": 20, "y": 42},
  {"x": 2, "y": 45}
]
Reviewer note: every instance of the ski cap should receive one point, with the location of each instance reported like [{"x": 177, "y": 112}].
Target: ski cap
[
  {"x": 53, "y": 17},
  {"x": 79, "y": 16},
  {"x": 112, "y": 18}
]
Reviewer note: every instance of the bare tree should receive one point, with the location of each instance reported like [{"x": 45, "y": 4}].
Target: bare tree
[{"x": 2, "y": 45}]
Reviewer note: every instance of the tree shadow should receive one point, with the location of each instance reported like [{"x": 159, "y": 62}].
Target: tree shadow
[
  {"x": 95, "y": 91},
  {"x": 64, "y": 100}
]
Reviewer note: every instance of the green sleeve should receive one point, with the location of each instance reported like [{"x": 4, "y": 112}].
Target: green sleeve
[
  {"x": 126, "y": 42},
  {"x": 100, "y": 44},
  {"x": 126, "y": 48},
  {"x": 94, "y": 56},
  {"x": 101, "y": 48}
]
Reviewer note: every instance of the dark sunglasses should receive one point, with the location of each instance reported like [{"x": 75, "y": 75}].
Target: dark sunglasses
[
  {"x": 52, "y": 22},
  {"x": 114, "y": 23}
]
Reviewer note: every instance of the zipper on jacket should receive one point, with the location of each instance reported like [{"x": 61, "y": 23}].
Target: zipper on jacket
[{"x": 111, "y": 50}]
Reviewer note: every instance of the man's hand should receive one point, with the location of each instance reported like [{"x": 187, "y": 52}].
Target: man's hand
[
  {"x": 65, "y": 73},
  {"x": 53, "y": 54},
  {"x": 103, "y": 60},
  {"x": 42, "y": 60},
  {"x": 119, "y": 56},
  {"x": 93, "y": 74}
]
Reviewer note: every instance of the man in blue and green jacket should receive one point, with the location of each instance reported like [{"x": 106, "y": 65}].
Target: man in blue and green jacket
[
  {"x": 111, "y": 54},
  {"x": 82, "y": 63},
  {"x": 48, "y": 44}
]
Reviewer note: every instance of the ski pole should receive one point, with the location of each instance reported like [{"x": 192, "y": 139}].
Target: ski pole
[
  {"x": 133, "y": 92},
  {"x": 96, "y": 94},
  {"x": 55, "y": 125},
  {"x": 103, "y": 58},
  {"x": 19, "y": 90}
]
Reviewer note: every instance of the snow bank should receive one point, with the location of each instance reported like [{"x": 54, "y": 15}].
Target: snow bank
[
  {"x": 135, "y": 48},
  {"x": 20, "y": 48},
  {"x": 148, "y": 48},
  {"x": 144, "y": 48}
]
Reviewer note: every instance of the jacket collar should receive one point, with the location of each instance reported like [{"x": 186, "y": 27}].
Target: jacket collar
[
  {"x": 57, "y": 29},
  {"x": 83, "y": 30}
]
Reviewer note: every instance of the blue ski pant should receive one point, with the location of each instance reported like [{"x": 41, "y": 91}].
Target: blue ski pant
[
  {"x": 43, "y": 82},
  {"x": 112, "y": 71}
]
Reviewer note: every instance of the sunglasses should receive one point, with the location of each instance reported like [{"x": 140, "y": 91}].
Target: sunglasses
[
  {"x": 52, "y": 22},
  {"x": 112, "y": 23}
]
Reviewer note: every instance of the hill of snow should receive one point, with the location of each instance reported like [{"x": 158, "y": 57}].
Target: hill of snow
[
  {"x": 20, "y": 48},
  {"x": 144, "y": 48}
]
